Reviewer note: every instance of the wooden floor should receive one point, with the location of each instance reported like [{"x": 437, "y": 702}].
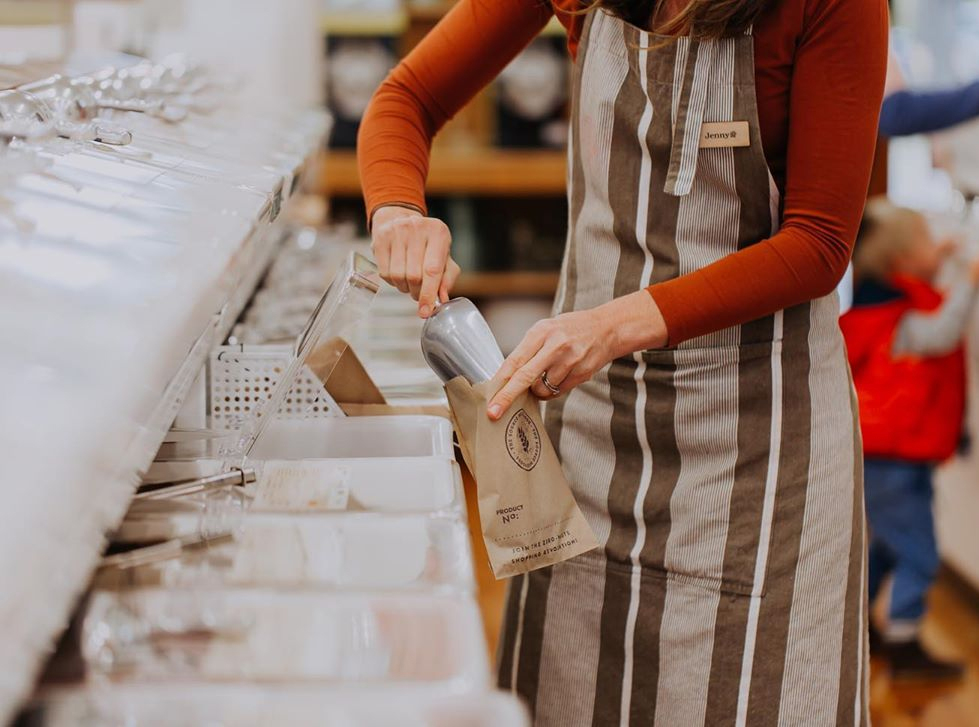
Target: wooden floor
[
  {"x": 951, "y": 629},
  {"x": 491, "y": 591}
]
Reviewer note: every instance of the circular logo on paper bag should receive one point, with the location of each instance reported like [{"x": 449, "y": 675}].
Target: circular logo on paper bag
[{"x": 523, "y": 440}]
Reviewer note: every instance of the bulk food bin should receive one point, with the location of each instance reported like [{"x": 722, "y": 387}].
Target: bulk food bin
[
  {"x": 381, "y": 484},
  {"x": 142, "y": 148},
  {"x": 318, "y": 463},
  {"x": 429, "y": 642},
  {"x": 240, "y": 374},
  {"x": 260, "y": 388},
  {"x": 352, "y": 552},
  {"x": 355, "y": 437},
  {"x": 237, "y": 706},
  {"x": 93, "y": 175},
  {"x": 388, "y": 344}
]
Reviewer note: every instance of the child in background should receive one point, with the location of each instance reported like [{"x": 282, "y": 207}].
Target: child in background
[{"x": 905, "y": 345}]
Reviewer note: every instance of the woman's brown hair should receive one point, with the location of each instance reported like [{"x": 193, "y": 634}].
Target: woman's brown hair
[{"x": 700, "y": 18}]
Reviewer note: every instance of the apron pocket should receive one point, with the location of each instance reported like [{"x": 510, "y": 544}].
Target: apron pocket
[
  {"x": 707, "y": 357},
  {"x": 596, "y": 563},
  {"x": 712, "y": 421}
]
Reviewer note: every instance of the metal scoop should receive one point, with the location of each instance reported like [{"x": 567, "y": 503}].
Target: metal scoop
[{"x": 456, "y": 341}]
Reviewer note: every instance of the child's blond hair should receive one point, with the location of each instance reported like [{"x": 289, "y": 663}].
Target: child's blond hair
[{"x": 886, "y": 232}]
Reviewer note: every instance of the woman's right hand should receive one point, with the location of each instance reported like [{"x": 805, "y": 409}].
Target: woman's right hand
[{"x": 412, "y": 254}]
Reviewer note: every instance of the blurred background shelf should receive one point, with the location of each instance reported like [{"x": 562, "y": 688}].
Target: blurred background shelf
[
  {"x": 516, "y": 284},
  {"x": 354, "y": 23},
  {"x": 35, "y": 12},
  {"x": 498, "y": 168},
  {"x": 473, "y": 172}
]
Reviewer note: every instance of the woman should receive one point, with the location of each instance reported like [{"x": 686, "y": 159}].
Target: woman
[{"x": 697, "y": 382}]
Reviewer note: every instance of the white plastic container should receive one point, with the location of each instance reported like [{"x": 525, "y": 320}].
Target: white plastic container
[
  {"x": 355, "y": 437},
  {"x": 349, "y": 552},
  {"x": 265, "y": 637},
  {"x": 393, "y": 484},
  {"x": 389, "y": 484}
]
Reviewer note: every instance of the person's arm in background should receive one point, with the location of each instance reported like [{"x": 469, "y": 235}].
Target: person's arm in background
[
  {"x": 462, "y": 54},
  {"x": 908, "y": 112},
  {"x": 939, "y": 332}
]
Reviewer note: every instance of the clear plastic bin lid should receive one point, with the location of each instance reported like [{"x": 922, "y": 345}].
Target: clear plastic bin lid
[
  {"x": 248, "y": 706},
  {"x": 341, "y": 310},
  {"x": 264, "y": 636}
]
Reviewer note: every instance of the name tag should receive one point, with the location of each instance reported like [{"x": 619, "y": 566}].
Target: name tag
[{"x": 724, "y": 134}]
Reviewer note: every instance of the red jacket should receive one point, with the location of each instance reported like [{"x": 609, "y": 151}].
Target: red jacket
[{"x": 911, "y": 407}]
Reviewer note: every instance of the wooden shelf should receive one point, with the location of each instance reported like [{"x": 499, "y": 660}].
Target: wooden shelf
[
  {"x": 507, "y": 284},
  {"x": 480, "y": 172},
  {"x": 432, "y": 14},
  {"x": 35, "y": 12},
  {"x": 395, "y": 22},
  {"x": 360, "y": 23}
]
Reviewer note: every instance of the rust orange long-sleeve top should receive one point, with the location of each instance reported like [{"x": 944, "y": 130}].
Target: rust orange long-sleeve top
[{"x": 819, "y": 71}]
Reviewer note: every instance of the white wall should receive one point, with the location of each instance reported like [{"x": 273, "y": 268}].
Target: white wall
[{"x": 274, "y": 48}]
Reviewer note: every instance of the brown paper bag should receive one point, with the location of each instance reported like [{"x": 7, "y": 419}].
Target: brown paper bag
[{"x": 529, "y": 517}]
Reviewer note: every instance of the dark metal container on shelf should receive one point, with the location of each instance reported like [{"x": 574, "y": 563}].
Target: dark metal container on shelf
[
  {"x": 355, "y": 67},
  {"x": 532, "y": 97}
]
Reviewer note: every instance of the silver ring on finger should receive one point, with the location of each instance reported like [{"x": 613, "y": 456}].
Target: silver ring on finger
[{"x": 555, "y": 390}]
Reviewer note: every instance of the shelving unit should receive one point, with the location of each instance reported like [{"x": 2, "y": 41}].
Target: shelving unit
[
  {"x": 105, "y": 402},
  {"x": 482, "y": 183},
  {"x": 124, "y": 271},
  {"x": 35, "y": 12},
  {"x": 507, "y": 284},
  {"x": 476, "y": 172},
  {"x": 355, "y": 23},
  {"x": 395, "y": 21}
]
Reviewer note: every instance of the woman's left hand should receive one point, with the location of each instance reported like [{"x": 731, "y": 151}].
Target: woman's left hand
[{"x": 572, "y": 347}]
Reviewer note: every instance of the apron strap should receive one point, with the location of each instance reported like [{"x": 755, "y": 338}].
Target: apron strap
[{"x": 690, "y": 99}]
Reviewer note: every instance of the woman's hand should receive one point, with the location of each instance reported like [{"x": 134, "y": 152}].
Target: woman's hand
[
  {"x": 571, "y": 348},
  {"x": 412, "y": 254}
]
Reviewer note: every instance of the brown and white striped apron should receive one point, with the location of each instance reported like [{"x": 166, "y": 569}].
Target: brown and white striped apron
[{"x": 723, "y": 476}]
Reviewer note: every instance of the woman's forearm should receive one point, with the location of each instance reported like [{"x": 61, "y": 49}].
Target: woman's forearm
[
  {"x": 572, "y": 347},
  {"x": 634, "y": 323},
  {"x": 393, "y": 145}
]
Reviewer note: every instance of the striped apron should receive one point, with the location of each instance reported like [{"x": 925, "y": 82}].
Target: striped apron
[{"x": 722, "y": 476}]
